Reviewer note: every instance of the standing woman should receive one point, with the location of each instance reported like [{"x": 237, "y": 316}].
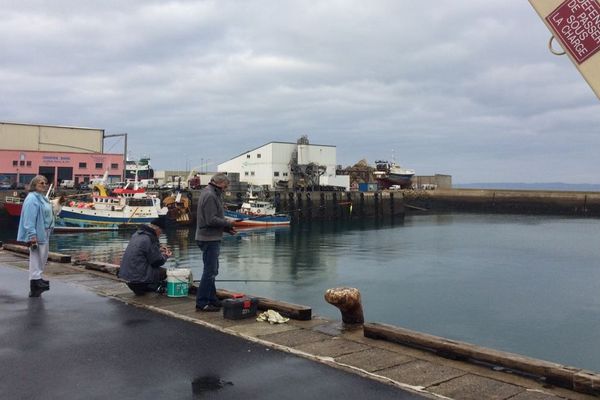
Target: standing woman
[{"x": 35, "y": 226}]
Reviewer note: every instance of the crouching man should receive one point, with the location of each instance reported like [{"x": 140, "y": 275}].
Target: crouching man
[{"x": 143, "y": 258}]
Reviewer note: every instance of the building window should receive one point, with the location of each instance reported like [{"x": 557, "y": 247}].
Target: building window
[
  {"x": 247, "y": 155},
  {"x": 98, "y": 165},
  {"x": 246, "y": 173},
  {"x": 114, "y": 166},
  {"x": 258, "y": 155},
  {"x": 285, "y": 174},
  {"x": 275, "y": 173},
  {"x": 29, "y": 163},
  {"x": 15, "y": 163},
  {"x": 82, "y": 165},
  {"x": 251, "y": 173},
  {"x": 22, "y": 163}
]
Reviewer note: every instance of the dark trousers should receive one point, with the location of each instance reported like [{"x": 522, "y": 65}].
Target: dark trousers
[
  {"x": 139, "y": 288},
  {"x": 207, "y": 291}
]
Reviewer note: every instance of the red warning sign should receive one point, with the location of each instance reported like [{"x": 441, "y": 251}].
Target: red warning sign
[{"x": 577, "y": 24}]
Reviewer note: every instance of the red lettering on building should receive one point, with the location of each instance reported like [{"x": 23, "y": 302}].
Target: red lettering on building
[{"x": 577, "y": 24}]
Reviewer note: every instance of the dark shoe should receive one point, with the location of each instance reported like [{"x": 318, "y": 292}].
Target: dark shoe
[
  {"x": 216, "y": 303},
  {"x": 37, "y": 287},
  {"x": 208, "y": 308},
  {"x": 40, "y": 283}
]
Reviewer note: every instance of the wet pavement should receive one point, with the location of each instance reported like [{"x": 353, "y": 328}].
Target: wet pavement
[{"x": 75, "y": 344}]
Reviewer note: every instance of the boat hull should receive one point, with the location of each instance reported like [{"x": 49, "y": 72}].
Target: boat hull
[
  {"x": 245, "y": 220},
  {"x": 12, "y": 209},
  {"x": 405, "y": 181},
  {"x": 100, "y": 218}
]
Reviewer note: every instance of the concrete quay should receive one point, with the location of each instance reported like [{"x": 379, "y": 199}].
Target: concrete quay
[{"x": 399, "y": 371}]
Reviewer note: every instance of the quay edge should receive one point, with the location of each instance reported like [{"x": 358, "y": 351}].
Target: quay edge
[{"x": 535, "y": 202}]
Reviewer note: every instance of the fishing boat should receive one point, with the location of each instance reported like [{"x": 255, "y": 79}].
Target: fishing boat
[
  {"x": 13, "y": 206},
  {"x": 255, "y": 212},
  {"x": 389, "y": 174},
  {"x": 140, "y": 169},
  {"x": 179, "y": 205},
  {"x": 125, "y": 207}
]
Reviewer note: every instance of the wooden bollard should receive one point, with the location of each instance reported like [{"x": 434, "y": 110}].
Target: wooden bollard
[{"x": 348, "y": 301}]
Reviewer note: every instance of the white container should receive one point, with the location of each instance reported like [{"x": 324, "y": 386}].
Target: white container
[{"x": 178, "y": 280}]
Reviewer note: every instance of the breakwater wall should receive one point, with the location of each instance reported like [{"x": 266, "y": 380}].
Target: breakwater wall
[
  {"x": 506, "y": 201},
  {"x": 306, "y": 206}
]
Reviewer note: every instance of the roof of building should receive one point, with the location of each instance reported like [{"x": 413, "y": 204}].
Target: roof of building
[
  {"x": 51, "y": 126},
  {"x": 272, "y": 142}
]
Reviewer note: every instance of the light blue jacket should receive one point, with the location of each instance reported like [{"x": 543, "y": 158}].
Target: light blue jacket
[{"x": 31, "y": 222}]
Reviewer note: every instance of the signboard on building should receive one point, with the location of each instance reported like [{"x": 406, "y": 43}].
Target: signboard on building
[{"x": 576, "y": 25}]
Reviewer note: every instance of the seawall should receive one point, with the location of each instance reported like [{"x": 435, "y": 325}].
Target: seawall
[{"x": 583, "y": 204}]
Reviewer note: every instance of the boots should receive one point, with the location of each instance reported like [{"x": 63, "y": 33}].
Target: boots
[{"x": 37, "y": 286}]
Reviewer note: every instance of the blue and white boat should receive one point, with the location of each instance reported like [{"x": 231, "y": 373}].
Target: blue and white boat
[
  {"x": 127, "y": 208},
  {"x": 257, "y": 213}
]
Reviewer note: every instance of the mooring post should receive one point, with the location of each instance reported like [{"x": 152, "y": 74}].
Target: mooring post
[{"x": 349, "y": 303}]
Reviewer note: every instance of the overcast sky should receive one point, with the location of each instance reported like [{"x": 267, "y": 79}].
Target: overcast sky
[{"x": 466, "y": 88}]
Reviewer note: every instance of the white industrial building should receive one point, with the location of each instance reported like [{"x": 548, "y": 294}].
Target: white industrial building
[{"x": 285, "y": 164}]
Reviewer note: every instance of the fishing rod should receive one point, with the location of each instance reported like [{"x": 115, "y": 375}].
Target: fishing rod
[{"x": 246, "y": 280}]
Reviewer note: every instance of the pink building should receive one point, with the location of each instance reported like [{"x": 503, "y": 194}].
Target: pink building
[{"x": 22, "y": 165}]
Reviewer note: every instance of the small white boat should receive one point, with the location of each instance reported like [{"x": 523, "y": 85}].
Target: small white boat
[{"x": 256, "y": 212}]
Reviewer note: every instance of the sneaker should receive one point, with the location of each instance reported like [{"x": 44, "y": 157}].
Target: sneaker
[{"x": 208, "y": 308}]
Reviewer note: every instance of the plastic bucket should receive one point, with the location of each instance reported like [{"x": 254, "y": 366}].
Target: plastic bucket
[{"x": 178, "y": 282}]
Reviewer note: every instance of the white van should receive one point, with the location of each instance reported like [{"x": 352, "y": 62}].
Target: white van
[
  {"x": 148, "y": 183},
  {"x": 67, "y": 184}
]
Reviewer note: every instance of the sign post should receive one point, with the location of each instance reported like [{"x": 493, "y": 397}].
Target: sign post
[{"x": 576, "y": 25}]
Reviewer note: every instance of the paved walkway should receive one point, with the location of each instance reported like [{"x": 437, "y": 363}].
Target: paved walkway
[{"x": 73, "y": 343}]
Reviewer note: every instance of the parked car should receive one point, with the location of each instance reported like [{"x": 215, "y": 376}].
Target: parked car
[
  {"x": 5, "y": 185},
  {"x": 18, "y": 186},
  {"x": 67, "y": 184},
  {"x": 116, "y": 185},
  {"x": 148, "y": 183}
]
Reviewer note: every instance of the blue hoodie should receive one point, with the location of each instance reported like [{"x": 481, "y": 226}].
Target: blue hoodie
[{"x": 36, "y": 217}]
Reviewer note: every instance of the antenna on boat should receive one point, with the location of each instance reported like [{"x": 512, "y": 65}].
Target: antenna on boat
[
  {"x": 49, "y": 190},
  {"x": 136, "y": 182}
]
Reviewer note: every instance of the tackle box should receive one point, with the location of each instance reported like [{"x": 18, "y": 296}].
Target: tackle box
[{"x": 239, "y": 307}]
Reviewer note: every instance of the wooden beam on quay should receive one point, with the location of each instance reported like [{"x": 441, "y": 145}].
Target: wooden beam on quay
[
  {"x": 290, "y": 310},
  {"x": 56, "y": 257},
  {"x": 569, "y": 377}
]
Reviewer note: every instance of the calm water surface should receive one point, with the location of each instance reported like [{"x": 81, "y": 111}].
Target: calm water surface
[{"x": 524, "y": 284}]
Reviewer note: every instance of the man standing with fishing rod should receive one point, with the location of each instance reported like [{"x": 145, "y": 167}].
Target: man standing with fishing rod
[{"x": 210, "y": 225}]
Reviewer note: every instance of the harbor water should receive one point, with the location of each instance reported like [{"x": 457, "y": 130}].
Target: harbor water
[{"x": 524, "y": 284}]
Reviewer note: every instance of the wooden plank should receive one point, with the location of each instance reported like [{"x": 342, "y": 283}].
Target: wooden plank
[
  {"x": 100, "y": 266},
  {"x": 587, "y": 382},
  {"x": 560, "y": 375},
  {"x": 56, "y": 257},
  {"x": 290, "y": 310}
]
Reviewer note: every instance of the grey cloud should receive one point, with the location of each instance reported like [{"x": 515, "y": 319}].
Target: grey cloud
[{"x": 466, "y": 88}]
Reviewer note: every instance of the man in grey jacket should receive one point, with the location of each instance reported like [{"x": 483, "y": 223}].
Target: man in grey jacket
[
  {"x": 143, "y": 258},
  {"x": 210, "y": 225}
]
